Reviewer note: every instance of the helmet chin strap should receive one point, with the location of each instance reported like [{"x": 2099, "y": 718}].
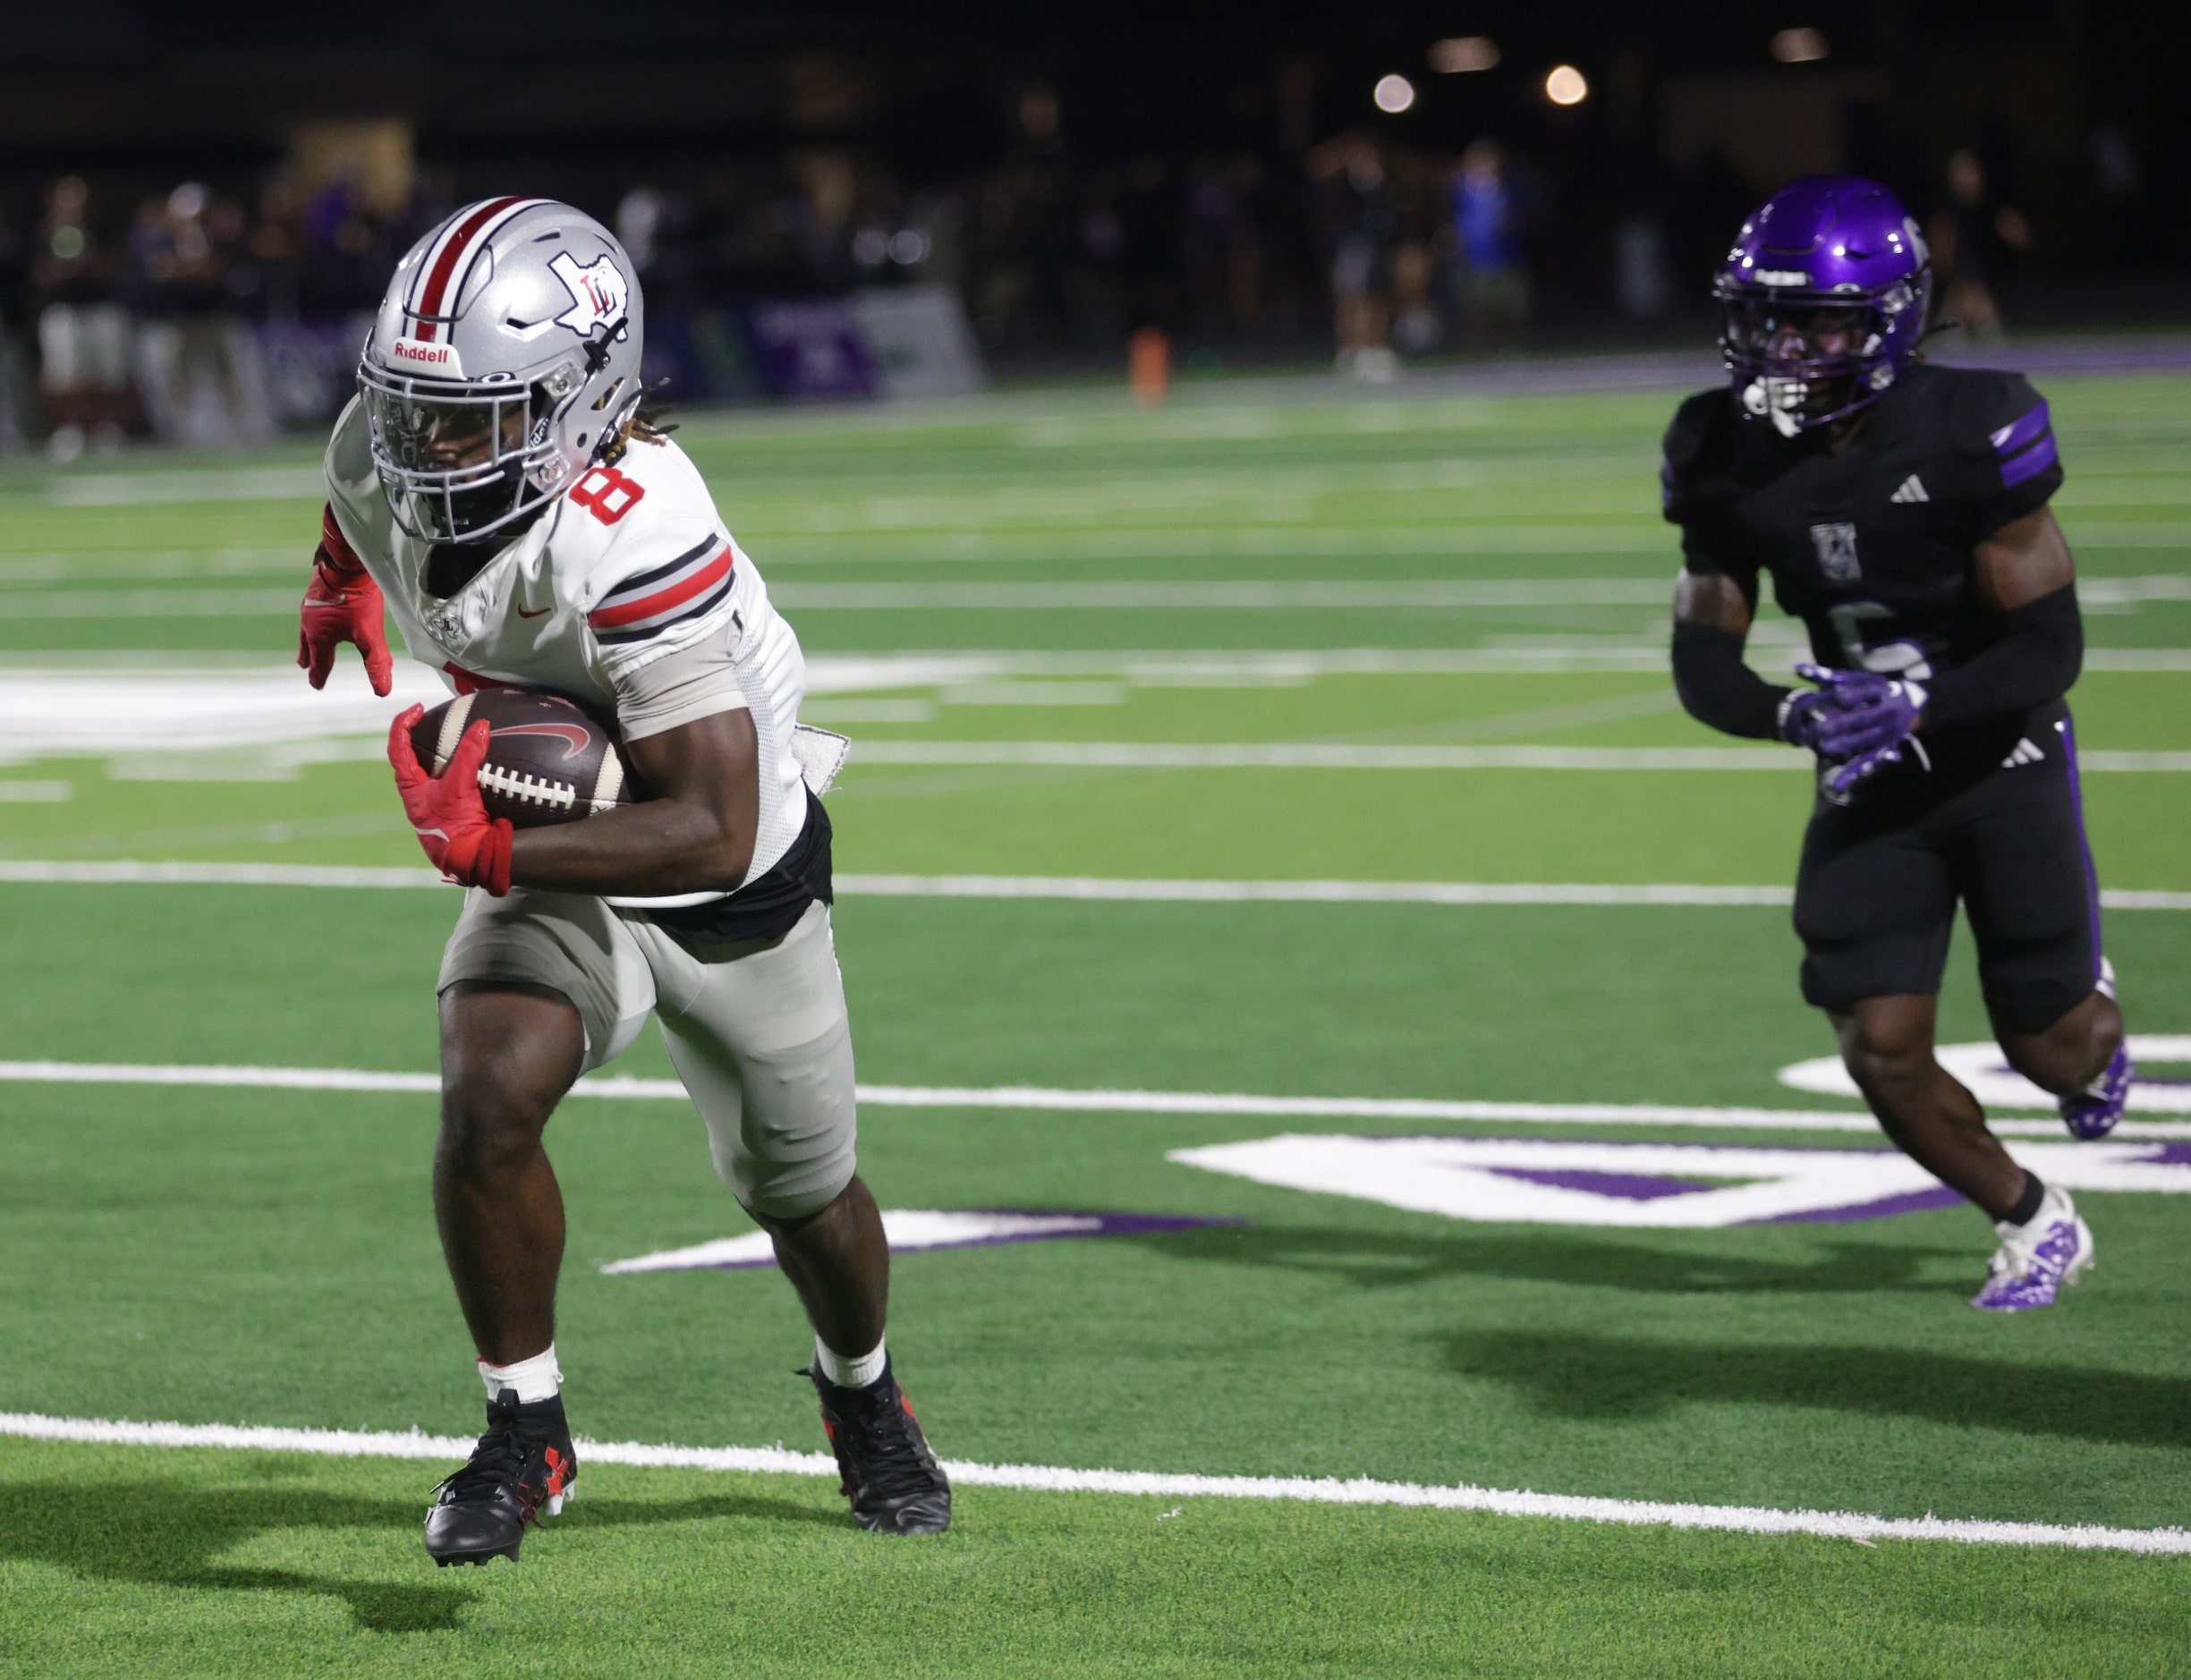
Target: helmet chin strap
[
  {"x": 1779, "y": 400},
  {"x": 597, "y": 349}
]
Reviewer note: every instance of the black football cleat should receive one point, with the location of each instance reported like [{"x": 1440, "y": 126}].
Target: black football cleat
[
  {"x": 892, "y": 1479},
  {"x": 523, "y": 1469}
]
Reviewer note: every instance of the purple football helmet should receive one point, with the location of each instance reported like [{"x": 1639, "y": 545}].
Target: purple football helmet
[{"x": 1824, "y": 298}]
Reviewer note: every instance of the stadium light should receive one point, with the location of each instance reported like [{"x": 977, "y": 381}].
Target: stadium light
[
  {"x": 1564, "y": 85},
  {"x": 1461, "y": 53},
  {"x": 1394, "y": 94},
  {"x": 1798, "y": 46}
]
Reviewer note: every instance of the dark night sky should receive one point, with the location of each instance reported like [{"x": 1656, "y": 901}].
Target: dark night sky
[{"x": 135, "y": 87}]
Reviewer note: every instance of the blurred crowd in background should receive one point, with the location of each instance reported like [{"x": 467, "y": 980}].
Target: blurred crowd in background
[
  {"x": 167, "y": 316},
  {"x": 227, "y": 307},
  {"x": 208, "y": 315}
]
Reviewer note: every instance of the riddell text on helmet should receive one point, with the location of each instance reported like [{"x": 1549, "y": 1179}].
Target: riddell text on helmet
[{"x": 440, "y": 360}]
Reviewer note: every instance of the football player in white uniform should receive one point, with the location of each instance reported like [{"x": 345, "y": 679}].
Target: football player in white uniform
[{"x": 498, "y": 486}]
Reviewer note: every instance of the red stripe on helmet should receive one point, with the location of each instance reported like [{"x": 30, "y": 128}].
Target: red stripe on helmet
[
  {"x": 445, "y": 265},
  {"x": 662, "y": 600}
]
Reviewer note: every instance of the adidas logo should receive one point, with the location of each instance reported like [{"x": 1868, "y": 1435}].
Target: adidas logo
[
  {"x": 2025, "y": 754},
  {"x": 1911, "y": 491}
]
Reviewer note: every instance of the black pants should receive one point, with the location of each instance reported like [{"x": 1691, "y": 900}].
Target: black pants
[{"x": 1876, "y": 894}]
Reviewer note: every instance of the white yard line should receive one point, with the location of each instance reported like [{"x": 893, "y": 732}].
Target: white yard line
[
  {"x": 127, "y": 489},
  {"x": 1237, "y": 595},
  {"x": 1158, "y": 1484},
  {"x": 1241, "y": 595},
  {"x": 1314, "y": 755},
  {"x": 135, "y": 874},
  {"x": 99, "y": 604},
  {"x": 778, "y": 549},
  {"x": 1340, "y": 595},
  {"x": 1067, "y": 886},
  {"x": 1055, "y": 1099},
  {"x": 120, "y": 873},
  {"x": 1099, "y": 888},
  {"x": 130, "y": 702},
  {"x": 1197, "y": 542}
]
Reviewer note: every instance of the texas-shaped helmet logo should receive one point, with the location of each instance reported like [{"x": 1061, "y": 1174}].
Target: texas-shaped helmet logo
[{"x": 598, "y": 293}]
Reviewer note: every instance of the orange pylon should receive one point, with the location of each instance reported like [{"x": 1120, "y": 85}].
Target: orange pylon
[{"x": 1149, "y": 365}]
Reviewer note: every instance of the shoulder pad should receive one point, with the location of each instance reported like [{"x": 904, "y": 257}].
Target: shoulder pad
[
  {"x": 1696, "y": 439},
  {"x": 2000, "y": 419},
  {"x": 667, "y": 597},
  {"x": 640, "y": 547},
  {"x": 1977, "y": 401},
  {"x": 354, "y": 484},
  {"x": 1694, "y": 422}
]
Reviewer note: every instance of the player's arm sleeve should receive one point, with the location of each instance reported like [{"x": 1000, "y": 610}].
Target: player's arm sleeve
[
  {"x": 1696, "y": 495},
  {"x": 665, "y": 633},
  {"x": 2038, "y": 655},
  {"x": 351, "y": 477},
  {"x": 689, "y": 683},
  {"x": 1715, "y": 684},
  {"x": 2006, "y": 453}
]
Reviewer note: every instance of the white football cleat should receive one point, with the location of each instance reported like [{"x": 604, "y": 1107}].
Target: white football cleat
[{"x": 2037, "y": 1259}]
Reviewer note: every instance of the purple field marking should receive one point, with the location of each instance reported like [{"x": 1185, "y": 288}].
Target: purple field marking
[
  {"x": 2097, "y": 353},
  {"x": 1650, "y": 1187},
  {"x": 1629, "y": 1186},
  {"x": 1910, "y": 1201}
]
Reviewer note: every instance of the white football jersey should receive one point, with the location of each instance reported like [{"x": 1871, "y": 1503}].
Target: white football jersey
[{"x": 629, "y": 566}]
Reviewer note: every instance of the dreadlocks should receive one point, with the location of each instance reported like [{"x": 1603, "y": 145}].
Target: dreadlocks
[{"x": 643, "y": 425}]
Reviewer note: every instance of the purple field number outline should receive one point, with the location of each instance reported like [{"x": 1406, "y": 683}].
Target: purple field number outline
[
  {"x": 1693, "y": 1186},
  {"x": 910, "y": 1230}
]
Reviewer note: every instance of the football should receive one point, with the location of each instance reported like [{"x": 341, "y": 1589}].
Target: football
[{"x": 548, "y": 758}]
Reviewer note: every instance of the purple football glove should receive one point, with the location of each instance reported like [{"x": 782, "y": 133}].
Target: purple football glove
[
  {"x": 1803, "y": 715},
  {"x": 1866, "y": 713},
  {"x": 1841, "y": 781}
]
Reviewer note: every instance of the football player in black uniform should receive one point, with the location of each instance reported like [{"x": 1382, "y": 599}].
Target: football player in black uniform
[{"x": 1901, "y": 511}]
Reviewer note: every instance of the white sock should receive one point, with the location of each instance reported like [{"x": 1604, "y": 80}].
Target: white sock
[
  {"x": 849, "y": 1373},
  {"x": 2054, "y": 1207},
  {"x": 534, "y": 1378}
]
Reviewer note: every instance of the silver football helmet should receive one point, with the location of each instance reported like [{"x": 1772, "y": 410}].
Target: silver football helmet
[{"x": 504, "y": 357}]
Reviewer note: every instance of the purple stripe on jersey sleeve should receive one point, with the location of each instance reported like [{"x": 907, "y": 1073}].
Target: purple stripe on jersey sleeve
[
  {"x": 2018, "y": 434},
  {"x": 2031, "y": 463}
]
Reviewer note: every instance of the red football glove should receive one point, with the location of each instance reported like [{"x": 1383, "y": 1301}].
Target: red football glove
[
  {"x": 462, "y": 841},
  {"x": 341, "y": 603}
]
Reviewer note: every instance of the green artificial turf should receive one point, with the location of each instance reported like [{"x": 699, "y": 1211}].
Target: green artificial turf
[
  {"x": 1741, "y": 826},
  {"x": 271, "y": 1563},
  {"x": 267, "y": 1257}
]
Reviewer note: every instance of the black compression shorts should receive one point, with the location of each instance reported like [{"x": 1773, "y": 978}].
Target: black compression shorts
[{"x": 1876, "y": 895}]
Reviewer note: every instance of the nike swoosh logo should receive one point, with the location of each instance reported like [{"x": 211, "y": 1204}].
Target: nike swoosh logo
[
  {"x": 536, "y": 611},
  {"x": 575, "y": 739}
]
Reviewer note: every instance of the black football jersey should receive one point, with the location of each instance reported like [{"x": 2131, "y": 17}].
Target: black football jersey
[{"x": 1870, "y": 547}]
